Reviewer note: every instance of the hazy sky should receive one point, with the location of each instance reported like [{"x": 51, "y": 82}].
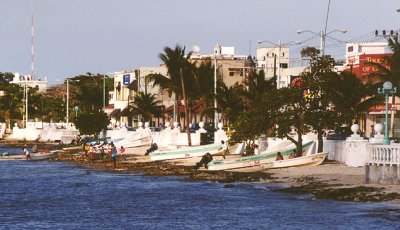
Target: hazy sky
[{"x": 103, "y": 36}]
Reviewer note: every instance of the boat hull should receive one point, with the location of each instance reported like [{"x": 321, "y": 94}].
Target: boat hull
[
  {"x": 186, "y": 152},
  {"x": 142, "y": 141},
  {"x": 12, "y": 157},
  {"x": 251, "y": 161},
  {"x": 312, "y": 160},
  {"x": 44, "y": 155}
]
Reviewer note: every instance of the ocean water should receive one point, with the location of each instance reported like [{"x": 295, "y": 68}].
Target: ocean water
[{"x": 58, "y": 195}]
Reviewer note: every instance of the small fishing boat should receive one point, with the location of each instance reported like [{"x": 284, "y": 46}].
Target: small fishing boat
[
  {"x": 311, "y": 160},
  {"x": 185, "y": 152},
  {"x": 44, "y": 155},
  {"x": 257, "y": 160},
  {"x": 138, "y": 142},
  {"x": 12, "y": 157},
  {"x": 71, "y": 148}
]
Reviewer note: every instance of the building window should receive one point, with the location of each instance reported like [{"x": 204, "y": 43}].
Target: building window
[
  {"x": 284, "y": 65},
  {"x": 283, "y": 54},
  {"x": 231, "y": 74},
  {"x": 350, "y": 49}
]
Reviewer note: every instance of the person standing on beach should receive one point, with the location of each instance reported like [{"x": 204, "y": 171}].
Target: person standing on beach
[
  {"x": 114, "y": 155},
  {"x": 224, "y": 147},
  {"x": 27, "y": 153},
  {"x": 86, "y": 148}
]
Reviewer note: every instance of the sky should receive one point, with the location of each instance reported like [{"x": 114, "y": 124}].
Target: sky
[{"x": 73, "y": 37}]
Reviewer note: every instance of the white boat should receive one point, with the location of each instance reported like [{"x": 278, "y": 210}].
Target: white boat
[
  {"x": 185, "y": 152},
  {"x": 44, "y": 155},
  {"x": 311, "y": 160},
  {"x": 132, "y": 143},
  {"x": 257, "y": 160},
  {"x": 12, "y": 157}
]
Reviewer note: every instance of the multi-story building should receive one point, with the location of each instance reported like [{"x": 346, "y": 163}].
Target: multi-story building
[
  {"x": 231, "y": 67},
  {"x": 126, "y": 85},
  {"x": 358, "y": 55},
  {"x": 275, "y": 62}
]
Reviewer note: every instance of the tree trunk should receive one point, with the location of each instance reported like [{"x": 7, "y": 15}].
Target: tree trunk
[
  {"x": 320, "y": 141},
  {"x": 186, "y": 109}
]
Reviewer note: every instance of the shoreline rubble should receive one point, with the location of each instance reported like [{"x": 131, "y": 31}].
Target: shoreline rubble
[{"x": 331, "y": 180}]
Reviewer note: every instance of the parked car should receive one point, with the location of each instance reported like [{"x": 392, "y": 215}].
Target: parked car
[{"x": 339, "y": 134}]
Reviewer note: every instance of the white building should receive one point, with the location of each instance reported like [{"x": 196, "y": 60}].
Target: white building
[
  {"x": 274, "y": 61},
  {"x": 126, "y": 85},
  {"x": 355, "y": 50},
  {"x": 27, "y": 80}
]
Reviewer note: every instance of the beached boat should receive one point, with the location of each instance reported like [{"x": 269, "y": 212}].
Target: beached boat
[
  {"x": 257, "y": 160},
  {"x": 311, "y": 160},
  {"x": 133, "y": 143},
  {"x": 185, "y": 152},
  {"x": 44, "y": 155},
  {"x": 71, "y": 148},
  {"x": 12, "y": 157}
]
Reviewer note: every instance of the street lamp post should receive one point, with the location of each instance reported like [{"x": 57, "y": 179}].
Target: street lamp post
[
  {"x": 387, "y": 90},
  {"x": 322, "y": 35},
  {"x": 67, "y": 118},
  {"x": 279, "y": 46},
  {"x": 215, "y": 93}
]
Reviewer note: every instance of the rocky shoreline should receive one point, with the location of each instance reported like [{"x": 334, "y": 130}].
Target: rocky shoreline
[{"x": 318, "y": 184}]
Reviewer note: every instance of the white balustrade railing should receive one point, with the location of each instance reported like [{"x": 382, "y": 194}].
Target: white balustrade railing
[{"x": 383, "y": 154}]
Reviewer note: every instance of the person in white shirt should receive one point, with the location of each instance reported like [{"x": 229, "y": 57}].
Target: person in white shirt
[
  {"x": 224, "y": 147},
  {"x": 27, "y": 153}
]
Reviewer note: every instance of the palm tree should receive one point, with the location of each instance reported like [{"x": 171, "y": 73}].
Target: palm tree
[
  {"x": 180, "y": 77},
  {"x": 351, "y": 97},
  {"x": 230, "y": 101},
  {"x": 256, "y": 86},
  {"x": 203, "y": 88},
  {"x": 389, "y": 70},
  {"x": 146, "y": 105}
]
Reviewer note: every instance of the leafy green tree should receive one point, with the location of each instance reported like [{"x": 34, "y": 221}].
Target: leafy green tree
[
  {"x": 6, "y": 77},
  {"x": 248, "y": 127},
  {"x": 290, "y": 107},
  {"x": 318, "y": 82},
  {"x": 86, "y": 91},
  {"x": 146, "y": 105},
  {"x": 11, "y": 102},
  {"x": 92, "y": 122}
]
